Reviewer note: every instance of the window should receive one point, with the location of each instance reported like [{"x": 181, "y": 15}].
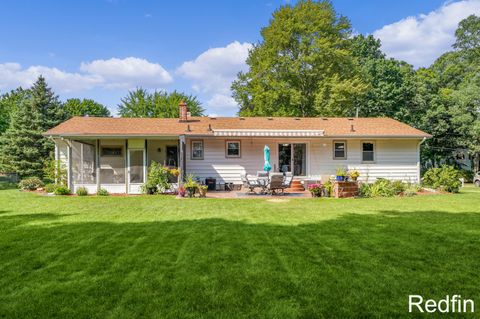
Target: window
[
  {"x": 339, "y": 150},
  {"x": 233, "y": 149},
  {"x": 112, "y": 151},
  {"x": 368, "y": 152},
  {"x": 197, "y": 150}
]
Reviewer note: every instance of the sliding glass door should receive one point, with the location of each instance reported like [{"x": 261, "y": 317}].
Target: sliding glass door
[{"x": 293, "y": 158}]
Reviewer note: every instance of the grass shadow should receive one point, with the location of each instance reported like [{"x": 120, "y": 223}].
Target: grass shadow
[{"x": 352, "y": 266}]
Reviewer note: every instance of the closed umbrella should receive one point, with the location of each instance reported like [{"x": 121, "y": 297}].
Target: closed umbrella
[{"x": 266, "y": 154}]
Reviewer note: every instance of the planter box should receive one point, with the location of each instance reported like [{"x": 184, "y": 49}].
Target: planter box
[{"x": 345, "y": 189}]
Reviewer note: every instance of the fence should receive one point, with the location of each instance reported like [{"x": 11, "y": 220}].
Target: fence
[{"x": 8, "y": 177}]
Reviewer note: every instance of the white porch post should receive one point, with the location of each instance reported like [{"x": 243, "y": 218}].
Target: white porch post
[
  {"x": 97, "y": 162},
  {"x": 182, "y": 160},
  {"x": 69, "y": 168}
]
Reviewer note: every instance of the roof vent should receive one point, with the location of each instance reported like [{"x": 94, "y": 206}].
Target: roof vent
[
  {"x": 297, "y": 119},
  {"x": 352, "y": 129},
  {"x": 188, "y": 128},
  {"x": 212, "y": 117},
  {"x": 209, "y": 127},
  {"x": 325, "y": 118},
  {"x": 350, "y": 118},
  {"x": 270, "y": 118},
  {"x": 241, "y": 118}
]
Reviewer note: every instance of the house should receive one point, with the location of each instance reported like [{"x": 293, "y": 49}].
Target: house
[{"x": 114, "y": 153}]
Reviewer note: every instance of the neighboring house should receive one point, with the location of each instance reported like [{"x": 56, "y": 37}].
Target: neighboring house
[{"x": 114, "y": 153}]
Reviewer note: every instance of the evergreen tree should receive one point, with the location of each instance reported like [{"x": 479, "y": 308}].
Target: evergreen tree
[
  {"x": 50, "y": 107},
  {"x": 8, "y": 104},
  {"x": 22, "y": 144}
]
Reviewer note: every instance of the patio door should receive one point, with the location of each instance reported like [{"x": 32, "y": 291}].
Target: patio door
[
  {"x": 293, "y": 158},
  {"x": 136, "y": 170}
]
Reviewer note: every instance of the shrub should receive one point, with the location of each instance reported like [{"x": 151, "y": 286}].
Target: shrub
[
  {"x": 102, "y": 192},
  {"x": 365, "y": 190},
  {"x": 467, "y": 175},
  {"x": 445, "y": 178},
  {"x": 55, "y": 171},
  {"x": 82, "y": 191},
  {"x": 50, "y": 188},
  {"x": 399, "y": 187},
  {"x": 31, "y": 183},
  {"x": 157, "y": 178},
  {"x": 62, "y": 190}
]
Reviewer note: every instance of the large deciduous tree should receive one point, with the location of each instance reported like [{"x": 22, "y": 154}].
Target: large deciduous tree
[
  {"x": 85, "y": 107},
  {"x": 302, "y": 67},
  {"x": 391, "y": 85},
  {"x": 141, "y": 103}
]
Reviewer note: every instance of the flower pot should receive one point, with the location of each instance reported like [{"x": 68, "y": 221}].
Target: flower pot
[
  {"x": 354, "y": 178},
  {"x": 340, "y": 178},
  {"x": 151, "y": 190},
  {"x": 202, "y": 192}
]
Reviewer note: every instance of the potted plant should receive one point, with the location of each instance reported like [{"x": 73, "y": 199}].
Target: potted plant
[
  {"x": 181, "y": 191},
  {"x": 202, "y": 190},
  {"x": 327, "y": 189},
  {"x": 341, "y": 174},
  {"x": 354, "y": 174},
  {"x": 190, "y": 185},
  {"x": 315, "y": 190},
  {"x": 149, "y": 188}
]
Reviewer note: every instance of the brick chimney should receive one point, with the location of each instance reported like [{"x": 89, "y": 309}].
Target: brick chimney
[{"x": 183, "y": 112}]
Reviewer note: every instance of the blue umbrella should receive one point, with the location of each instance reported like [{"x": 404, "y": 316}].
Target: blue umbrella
[{"x": 266, "y": 155}]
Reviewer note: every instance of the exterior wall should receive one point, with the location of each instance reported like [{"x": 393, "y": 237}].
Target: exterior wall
[
  {"x": 395, "y": 159},
  {"x": 155, "y": 155}
]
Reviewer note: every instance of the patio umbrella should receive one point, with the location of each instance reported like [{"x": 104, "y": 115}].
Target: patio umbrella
[{"x": 266, "y": 154}]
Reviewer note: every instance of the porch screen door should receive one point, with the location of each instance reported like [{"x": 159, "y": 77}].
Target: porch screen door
[
  {"x": 136, "y": 171},
  {"x": 293, "y": 158}
]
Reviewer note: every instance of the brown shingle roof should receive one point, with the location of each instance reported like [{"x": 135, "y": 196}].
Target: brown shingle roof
[{"x": 334, "y": 127}]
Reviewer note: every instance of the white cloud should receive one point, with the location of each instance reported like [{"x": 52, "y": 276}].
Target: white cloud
[
  {"x": 213, "y": 71},
  {"x": 422, "y": 39},
  {"x": 128, "y": 72},
  {"x": 110, "y": 74}
]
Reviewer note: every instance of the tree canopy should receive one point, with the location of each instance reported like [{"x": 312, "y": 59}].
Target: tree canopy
[
  {"x": 302, "y": 66},
  {"x": 141, "y": 103},
  {"x": 85, "y": 107}
]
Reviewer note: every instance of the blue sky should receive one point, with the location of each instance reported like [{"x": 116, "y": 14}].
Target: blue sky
[{"x": 101, "y": 49}]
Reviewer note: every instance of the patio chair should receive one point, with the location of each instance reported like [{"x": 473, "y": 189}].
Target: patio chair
[
  {"x": 287, "y": 180},
  {"x": 262, "y": 174},
  {"x": 249, "y": 183},
  {"x": 276, "y": 183}
]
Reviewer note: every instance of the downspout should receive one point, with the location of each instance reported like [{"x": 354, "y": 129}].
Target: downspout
[{"x": 418, "y": 162}]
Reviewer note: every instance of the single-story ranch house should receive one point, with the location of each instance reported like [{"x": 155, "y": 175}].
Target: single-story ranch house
[{"x": 114, "y": 153}]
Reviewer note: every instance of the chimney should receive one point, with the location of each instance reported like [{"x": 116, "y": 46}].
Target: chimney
[
  {"x": 183, "y": 112},
  {"x": 352, "y": 129}
]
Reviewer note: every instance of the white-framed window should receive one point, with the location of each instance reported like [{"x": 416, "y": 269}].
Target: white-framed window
[
  {"x": 197, "y": 150},
  {"x": 233, "y": 149},
  {"x": 339, "y": 150},
  {"x": 368, "y": 151}
]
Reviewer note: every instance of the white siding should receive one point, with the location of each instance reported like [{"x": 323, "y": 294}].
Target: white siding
[{"x": 395, "y": 159}]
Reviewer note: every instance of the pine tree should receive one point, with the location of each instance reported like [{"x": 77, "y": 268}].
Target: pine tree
[
  {"x": 51, "y": 111},
  {"x": 23, "y": 143}
]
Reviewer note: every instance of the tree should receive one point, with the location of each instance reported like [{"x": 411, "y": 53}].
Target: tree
[
  {"x": 22, "y": 144},
  {"x": 468, "y": 33},
  {"x": 141, "y": 103},
  {"x": 50, "y": 107},
  {"x": 391, "y": 86},
  {"x": 302, "y": 67},
  {"x": 8, "y": 104},
  {"x": 85, "y": 107}
]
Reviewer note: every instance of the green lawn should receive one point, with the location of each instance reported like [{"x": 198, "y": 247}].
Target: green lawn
[{"x": 163, "y": 257}]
